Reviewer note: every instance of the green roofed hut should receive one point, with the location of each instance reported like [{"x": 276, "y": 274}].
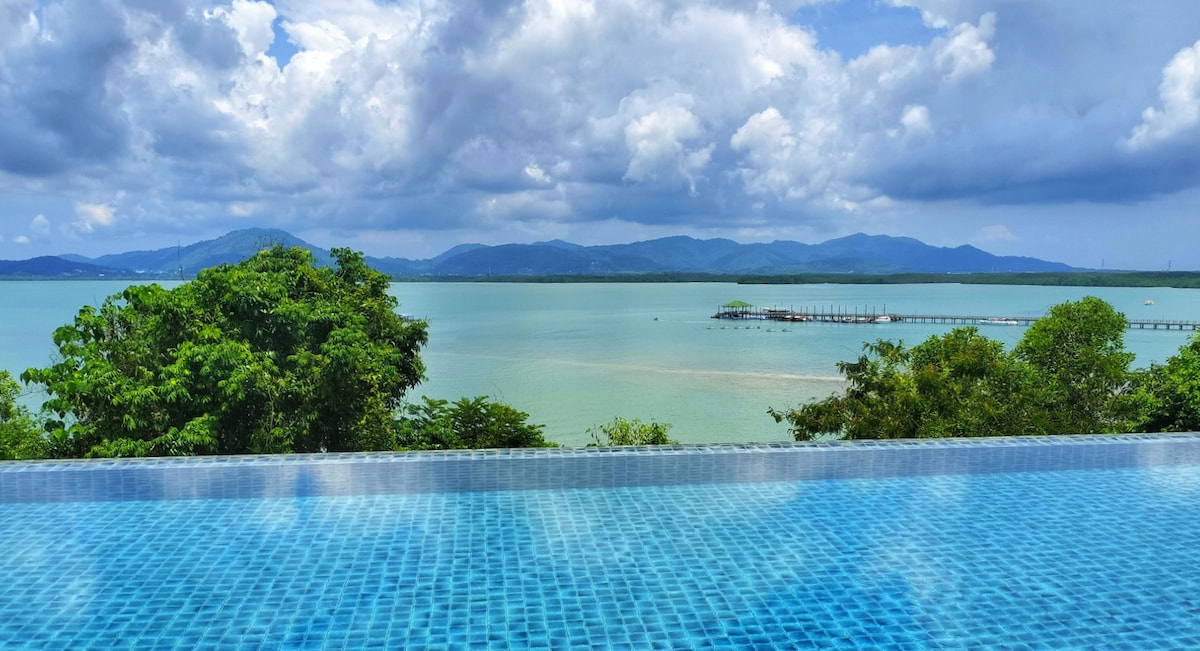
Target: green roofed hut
[{"x": 734, "y": 310}]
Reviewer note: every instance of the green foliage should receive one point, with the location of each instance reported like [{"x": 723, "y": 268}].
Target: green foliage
[
  {"x": 468, "y": 423},
  {"x": 19, "y": 435},
  {"x": 631, "y": 432},
  {"x": 1167, "y": 397},
  {"x": 1069, "y": 374},
  {"x": 957, "y": 384},
  {"x": 1078, "y": 353},
  {"x": 269, "y": 355}
]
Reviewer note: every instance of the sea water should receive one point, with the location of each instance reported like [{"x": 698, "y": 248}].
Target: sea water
[{"x": 576, "y": 355}]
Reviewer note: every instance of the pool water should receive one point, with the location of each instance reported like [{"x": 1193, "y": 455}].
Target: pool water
[{"x": 1106, "y": 555}]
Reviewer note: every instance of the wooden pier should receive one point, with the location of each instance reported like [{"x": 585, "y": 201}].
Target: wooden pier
[{"x": 747, "y": 312}]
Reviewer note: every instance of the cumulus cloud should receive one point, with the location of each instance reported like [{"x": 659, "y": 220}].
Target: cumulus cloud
[
  {"x": 251, "y": 21},
  {"x": 965, "y": 52},
  {"x": 1180, "y": 95},
  {"x": 767, "y": 143},
  {"x": 21, "y": 239},
  {"x": 90, "y": 216},
  {"x": 656, "y": 146},
  {"x": 915, "y": 119},
  {"x": 40, "y": 225},
  {"x": 476, "y": 115}
]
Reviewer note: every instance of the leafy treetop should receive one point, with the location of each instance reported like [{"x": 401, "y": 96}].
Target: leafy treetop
[
  {"x": 270, "y": 355},
  {"x": 19, "y": 435},
  {"x": 620, "y": 431},
  {"x": 1068, "y": 375}
]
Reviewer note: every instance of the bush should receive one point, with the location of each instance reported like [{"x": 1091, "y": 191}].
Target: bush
[
  {"x": 19, "y": 435},
  {"x": 468, "y": 423},
  {"x": 630, "y": 432}
]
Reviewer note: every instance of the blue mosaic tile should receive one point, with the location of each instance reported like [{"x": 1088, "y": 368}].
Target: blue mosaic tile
[{"x": 1079, "y": 542}]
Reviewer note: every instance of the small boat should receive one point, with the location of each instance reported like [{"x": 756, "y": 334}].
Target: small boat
[
  {"x": 883, "y": 319},
  {"x": 1148, "y": 302},
  {"x": 998, "y": 321}
]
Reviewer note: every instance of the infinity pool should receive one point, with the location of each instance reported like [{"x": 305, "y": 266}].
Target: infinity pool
[{"x": 1015, "y": 543}]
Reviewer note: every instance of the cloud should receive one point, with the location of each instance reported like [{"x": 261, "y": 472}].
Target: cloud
[
  {"x": 21, "y": 239},
  {"x": 40, "y": 225},
  {"x": 536, "y": 173},
  {"x": 767, "y": 143},
  {"x": 656, "y": 146},
  {"x": 1180, "y": 95},
  {"x": 498, "y": 116},
  {"x": 251, "y": 21},
  {"x": 966, "y": 53},
  {"x": 92, "y": 215},
  {"x": 995, "y": 233},
  {"x": 915, "y": 120},
  {"x": 59, "y": 109}
]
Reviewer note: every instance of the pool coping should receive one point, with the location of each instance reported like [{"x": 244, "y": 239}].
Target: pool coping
[{"x": 370, "y": 473}]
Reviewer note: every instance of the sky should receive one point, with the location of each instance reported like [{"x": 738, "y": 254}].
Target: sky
[{"x": 1057, "y": 129}]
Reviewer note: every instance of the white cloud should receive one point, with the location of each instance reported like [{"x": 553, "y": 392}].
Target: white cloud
[
  {"x": 536, "y": 173},
  {"x": 1180, "y": 95},
  {"x": 916, "y": 119},
  {"x": 252, "y": 22},
  {"x": 656, "y": 146},
  {"x": 767, "y": 143},
  {"x": 21, "y": 239},
  {"x": 965, "y": 53},
  {"x": 995, "y": 233},
  {"x": 460, "y": 115},
  {"x": 242, "y": 209},
  {"x": 92, "y": 215},
  {"x": 40, "y": 225}
]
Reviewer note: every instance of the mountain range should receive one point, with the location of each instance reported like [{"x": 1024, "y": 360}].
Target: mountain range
[{"x": 858, "y": 254}]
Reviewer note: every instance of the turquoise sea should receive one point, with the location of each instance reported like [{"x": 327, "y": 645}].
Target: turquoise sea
[{"x": 576, "y": 355}]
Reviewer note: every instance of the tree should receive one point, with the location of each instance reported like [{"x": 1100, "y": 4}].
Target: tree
[
  {"x": 19, "y": 435},
  {"x": 1167, "y": 396},
  {"x": 468, "y": 423},
  {"x": 957, "y": 384},
  {"x": 631, "y": 432},
  {"x": 1069, "y": 374},
  {"x": 1078, "y": 354},
  {"x": 270, "y": 355}
]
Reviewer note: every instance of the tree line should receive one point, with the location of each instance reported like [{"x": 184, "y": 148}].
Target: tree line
[{"x": 1069, "y": 374}]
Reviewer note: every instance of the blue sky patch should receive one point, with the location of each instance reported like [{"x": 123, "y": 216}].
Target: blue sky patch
[
  {"x": 851, "y": 27},
  {"x": 281, "y": 48}
]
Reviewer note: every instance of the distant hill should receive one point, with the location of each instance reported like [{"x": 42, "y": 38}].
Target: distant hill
[
  {"x": 855, "y": 254},
  {"x": 861, "y": 254},
  {"x": 229, "y": 248},
  {"x": 55, "y": 267}
]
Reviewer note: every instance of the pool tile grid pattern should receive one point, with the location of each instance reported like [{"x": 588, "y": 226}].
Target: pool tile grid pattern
[
  {"x": 1100, "y": 554},
  {"x": 900, "y": 563},
  {"x": 534, "y": 469}
]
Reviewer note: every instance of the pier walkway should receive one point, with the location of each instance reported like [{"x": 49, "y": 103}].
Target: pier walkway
[{"x": 853, "y": 316}]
